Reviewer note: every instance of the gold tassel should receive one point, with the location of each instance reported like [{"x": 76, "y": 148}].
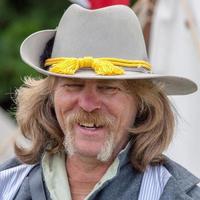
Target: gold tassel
[{"x": 101, "y": 66}]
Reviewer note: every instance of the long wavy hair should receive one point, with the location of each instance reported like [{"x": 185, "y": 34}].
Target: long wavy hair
[{"x": 151, "y": 133}]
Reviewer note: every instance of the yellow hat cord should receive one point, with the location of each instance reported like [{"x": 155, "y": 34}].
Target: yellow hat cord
[{"x": 101, "y": 66}]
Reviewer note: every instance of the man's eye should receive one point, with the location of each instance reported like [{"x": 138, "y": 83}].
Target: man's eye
[{"x": 108, "y": 89}]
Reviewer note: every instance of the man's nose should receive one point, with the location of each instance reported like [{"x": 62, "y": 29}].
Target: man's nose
[{"x": 89, "y": 99}]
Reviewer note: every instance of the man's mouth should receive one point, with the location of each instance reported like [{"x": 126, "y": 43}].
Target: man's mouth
[
  {"x": 90, "y": 125},
  {"x": 91, "y": 129}
]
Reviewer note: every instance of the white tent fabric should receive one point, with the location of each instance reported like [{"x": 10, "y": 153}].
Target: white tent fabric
[{"x": 174, "y": 50}]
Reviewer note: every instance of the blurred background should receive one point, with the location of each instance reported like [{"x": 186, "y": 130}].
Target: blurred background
[{"x": 172, "y": 35}]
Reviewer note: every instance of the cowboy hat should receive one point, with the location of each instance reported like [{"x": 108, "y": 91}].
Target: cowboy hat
[{"x": 105, "y": 43}]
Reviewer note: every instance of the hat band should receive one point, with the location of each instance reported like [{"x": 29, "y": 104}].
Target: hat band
[{"x": 101, "y": 66}]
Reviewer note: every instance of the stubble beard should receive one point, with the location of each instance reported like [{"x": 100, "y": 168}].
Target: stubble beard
[{"x": 107, "y": 148}]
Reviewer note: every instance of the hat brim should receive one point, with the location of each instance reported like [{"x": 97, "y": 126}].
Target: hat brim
[{"x": 33, "y": 46}]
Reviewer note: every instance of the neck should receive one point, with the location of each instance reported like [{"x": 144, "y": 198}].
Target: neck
[{"x": 83, "y": 174}]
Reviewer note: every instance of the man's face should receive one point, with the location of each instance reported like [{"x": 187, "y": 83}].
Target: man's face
[{"x": 94, "y": 116}]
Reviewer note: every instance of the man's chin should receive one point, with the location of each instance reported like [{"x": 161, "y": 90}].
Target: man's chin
[
  {"x": 101, "y": 155},
  {"x": 99, "y": 150},
  {"x": 88, "y": 153}
]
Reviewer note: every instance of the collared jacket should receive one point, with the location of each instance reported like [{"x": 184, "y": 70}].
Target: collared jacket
[{"x": 182, "y": 185}]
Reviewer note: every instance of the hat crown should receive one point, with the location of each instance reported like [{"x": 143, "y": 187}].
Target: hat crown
[
  {"x": 108, "y": 32},
  {"x": 112, "y": 32}
]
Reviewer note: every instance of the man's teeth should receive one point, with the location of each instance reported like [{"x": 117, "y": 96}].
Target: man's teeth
[{"x": 89, "y": 125}]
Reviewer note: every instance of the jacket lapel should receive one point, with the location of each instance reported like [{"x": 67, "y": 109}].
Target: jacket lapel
[{"x": 36, "y": 184}]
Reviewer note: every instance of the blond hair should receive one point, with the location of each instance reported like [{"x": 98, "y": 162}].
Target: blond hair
[
  {"x": 154, "y": 125},
  {"x": 152, "y": 131}
]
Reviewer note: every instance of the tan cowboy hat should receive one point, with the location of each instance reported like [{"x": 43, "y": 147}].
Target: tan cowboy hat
[{"x": 105, "y": 43}]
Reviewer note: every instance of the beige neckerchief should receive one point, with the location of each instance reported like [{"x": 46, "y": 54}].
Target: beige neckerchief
[{"x": 55, "y": 176}]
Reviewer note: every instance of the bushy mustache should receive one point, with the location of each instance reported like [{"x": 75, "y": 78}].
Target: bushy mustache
[
  {"x": 97, "y": 118},
  {"x": 94, "y": 117}
]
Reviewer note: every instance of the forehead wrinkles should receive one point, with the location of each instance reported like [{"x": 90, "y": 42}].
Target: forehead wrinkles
[{"x": 109, "y": 81}]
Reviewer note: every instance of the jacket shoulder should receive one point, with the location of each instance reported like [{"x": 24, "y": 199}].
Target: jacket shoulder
[
  {"x": 13, "y": 162},
  {"x": 27, "y": 179},
  {"x": 185, "y": 180}
]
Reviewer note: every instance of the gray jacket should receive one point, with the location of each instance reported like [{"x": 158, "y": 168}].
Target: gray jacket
[{"x": 181, "y": 186}]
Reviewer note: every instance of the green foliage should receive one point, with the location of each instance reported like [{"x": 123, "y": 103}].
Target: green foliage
[
  {"x": 18, "y": 19},
  {"x": 133, "y": 1}
]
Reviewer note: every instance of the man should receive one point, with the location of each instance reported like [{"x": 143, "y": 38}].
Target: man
[{"x": 99, "y": 123}]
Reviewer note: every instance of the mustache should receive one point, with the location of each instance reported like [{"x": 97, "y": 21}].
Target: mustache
[{"x": 95, "y": 117}]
